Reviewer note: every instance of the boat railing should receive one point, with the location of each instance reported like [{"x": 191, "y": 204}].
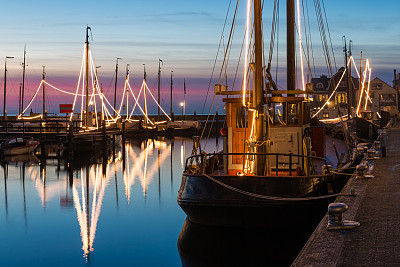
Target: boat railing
[{"x": 207, "y": 163}]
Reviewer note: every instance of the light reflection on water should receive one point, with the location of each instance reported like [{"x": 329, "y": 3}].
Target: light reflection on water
[
  {"x": 119, "y": 213},
  {"x": 55, "y": 213}
]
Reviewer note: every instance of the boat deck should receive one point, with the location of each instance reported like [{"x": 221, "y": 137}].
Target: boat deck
[{"x": 377, "y": 241}]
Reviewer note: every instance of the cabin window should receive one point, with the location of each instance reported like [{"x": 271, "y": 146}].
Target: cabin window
[
  {"x": 320, "y": 85},
  {"x": 241, "y": 115},
  {"x": 279, "y": 118},
  {"x": 325, "y": 115},
  {"x": 293, "y": 113}
]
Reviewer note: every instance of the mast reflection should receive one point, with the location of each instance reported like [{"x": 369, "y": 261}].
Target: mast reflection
[
  {"x": 140, "y": 163},
  {"x": 88, "y": 218},
  {"x": 81, "y": 182}
]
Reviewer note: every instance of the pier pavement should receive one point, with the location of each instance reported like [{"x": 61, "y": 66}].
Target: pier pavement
[{"x": 376, "y": 206}]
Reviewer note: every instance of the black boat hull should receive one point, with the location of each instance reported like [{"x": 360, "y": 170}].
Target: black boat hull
[{"x": 206, "y": 202}]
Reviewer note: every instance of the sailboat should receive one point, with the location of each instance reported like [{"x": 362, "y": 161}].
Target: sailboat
[{"x": 267, "y": 170}]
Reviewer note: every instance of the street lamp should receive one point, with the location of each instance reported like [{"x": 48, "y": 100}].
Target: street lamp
[{"x": 5, "y": 88}]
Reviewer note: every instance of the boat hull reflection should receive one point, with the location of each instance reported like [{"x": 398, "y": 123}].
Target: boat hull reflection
[{"x": 278, "y": 245}]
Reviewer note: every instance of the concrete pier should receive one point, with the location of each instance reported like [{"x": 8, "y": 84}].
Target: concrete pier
[{"x": 376, "y": 206}]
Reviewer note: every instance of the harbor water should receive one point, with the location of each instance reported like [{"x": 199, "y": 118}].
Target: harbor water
[{"x": 55, "y": 213}]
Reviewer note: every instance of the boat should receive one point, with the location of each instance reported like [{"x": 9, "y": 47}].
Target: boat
[
  {"x": 18, "y": 146},
  {"x": 268, "y": 170},
  {"x": 183, "y": 128}
]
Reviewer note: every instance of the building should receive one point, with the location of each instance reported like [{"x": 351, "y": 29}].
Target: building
[
  {"x": 384, "y": 95},
  {"x": 323, "y": 88}
]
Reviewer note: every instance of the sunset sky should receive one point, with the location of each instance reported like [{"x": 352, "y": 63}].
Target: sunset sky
[{"x": 184, "y": 34}]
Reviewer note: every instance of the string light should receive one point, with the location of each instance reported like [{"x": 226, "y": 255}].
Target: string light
[
  {"x": 336, "y": 87},
  {"x": 96, "y": 92},
  {"x": 247, "y": 51},
  {"x": 300, "y": 44}
]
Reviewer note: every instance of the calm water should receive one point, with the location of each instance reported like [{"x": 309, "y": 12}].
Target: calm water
[{"x": 55, "y": 214}]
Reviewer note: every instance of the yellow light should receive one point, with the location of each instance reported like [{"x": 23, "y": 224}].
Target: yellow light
[
  {"x": 29, "y": 118},
  {"x": 181, "y": 104}
]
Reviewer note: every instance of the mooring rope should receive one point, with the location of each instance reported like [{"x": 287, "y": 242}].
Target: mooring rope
[
  {"x": 270, "y": 197},
  {"x": 349, "y": 174}
]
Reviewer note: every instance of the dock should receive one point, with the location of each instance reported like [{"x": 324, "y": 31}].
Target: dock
[{"x": 375, "y": 206}]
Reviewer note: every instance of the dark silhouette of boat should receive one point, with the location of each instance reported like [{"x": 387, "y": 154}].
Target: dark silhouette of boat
[{"x": 268, "y": 167}]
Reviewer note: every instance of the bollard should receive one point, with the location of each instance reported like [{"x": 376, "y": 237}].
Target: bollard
[
  {"x": 335, "y": 218},
  {"x": 371, "y": 153},
  {"x": 360, "y": 168},
  {"x": 377, "y": 145}
]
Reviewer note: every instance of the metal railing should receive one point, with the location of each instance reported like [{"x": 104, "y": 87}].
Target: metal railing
[
  {"x": 212, "y": 160},
  {"x": 36, "y": 126}
]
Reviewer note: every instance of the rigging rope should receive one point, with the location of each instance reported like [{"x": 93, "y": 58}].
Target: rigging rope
[
  {"x": 212, "y": 104},
  {"x": 240, "y": 191},
  {"x": 216, "y": 57}
]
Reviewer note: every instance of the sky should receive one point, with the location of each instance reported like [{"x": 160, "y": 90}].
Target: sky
[{"x": 184, "y": 34}]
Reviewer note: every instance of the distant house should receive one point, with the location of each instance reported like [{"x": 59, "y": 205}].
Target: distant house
[
  {"x": 384, "y": 95},
  {"x": 323, "y": 88}
]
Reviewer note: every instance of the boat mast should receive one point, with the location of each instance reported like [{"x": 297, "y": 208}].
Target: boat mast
[
  {"x": 170, "y": 112},
  {"x": 145, "y": 94},
  {"x": 184, "y": 98},
  {"x": 115, "y": 85},
  {"x": 23, "y": 82},
  {"x": 159, "y": 84},
  {"x": 258, "y": 99},
  {"x": 5, "y": 88},
  {"x": 290, "y": 49},
  {"x": 19, "y": 99},
  {"x": 127, "y": 91},
  {"x": 348, "y": 79},
  {"x": 44, "y": 92},
  {"x": 87, "y": 76}
]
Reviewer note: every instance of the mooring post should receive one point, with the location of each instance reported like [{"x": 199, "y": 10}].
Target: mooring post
[
  {"x": 69, "y": 141},
  {"x": 113, "y": 145},
  {"x": 216, "y": 124},
  {"x": 58, "y": 153},
  {"x": 335, "y": 218},
  {"x": 40, "y": 126},
  {"x": 104, "y": 134},
  {"x": 194, "y": 116}
]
